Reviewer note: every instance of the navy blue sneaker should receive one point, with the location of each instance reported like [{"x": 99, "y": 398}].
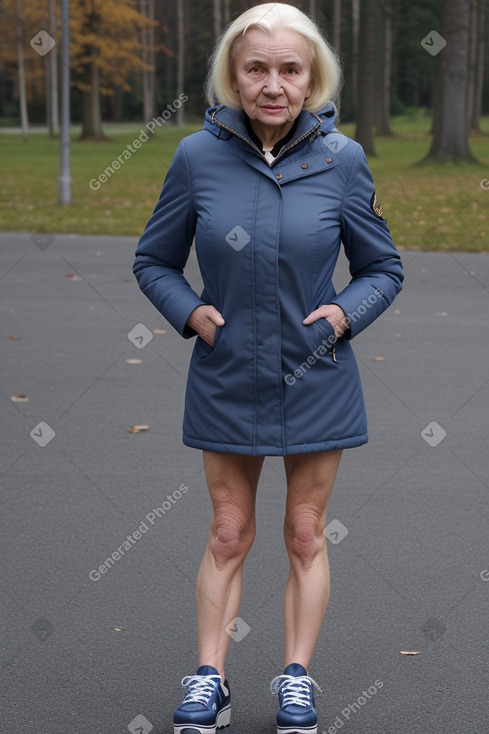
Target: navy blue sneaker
[
  {"x": 207, "y": 703},
  {"x": 296, "y": 714}
]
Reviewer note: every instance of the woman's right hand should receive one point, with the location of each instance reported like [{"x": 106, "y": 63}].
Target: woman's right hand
[{"x": 204, "y": 320}]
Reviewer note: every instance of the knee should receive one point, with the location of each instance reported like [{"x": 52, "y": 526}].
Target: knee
[
  {"x": 304, "y": 535},
  {"x": 231, "y": 537}
]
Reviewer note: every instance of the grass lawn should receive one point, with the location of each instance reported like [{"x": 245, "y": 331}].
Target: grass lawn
[{"x": 433, "y": 207}]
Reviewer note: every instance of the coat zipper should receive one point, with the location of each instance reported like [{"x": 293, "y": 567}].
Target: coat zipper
[{"x": 284, "y": 150}]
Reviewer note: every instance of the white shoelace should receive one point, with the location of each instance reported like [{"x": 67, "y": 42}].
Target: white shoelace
[
  {"x": 200, "y": 688},
  {"x": 294, "y": 689}
]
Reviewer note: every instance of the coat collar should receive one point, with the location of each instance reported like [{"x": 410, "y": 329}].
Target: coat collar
[{"x": 224, "y": 122}]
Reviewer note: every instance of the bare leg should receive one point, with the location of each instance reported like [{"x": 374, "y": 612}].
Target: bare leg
[
  {"x": 232, "y": 480},
  {"x": 310, "y": 479}
]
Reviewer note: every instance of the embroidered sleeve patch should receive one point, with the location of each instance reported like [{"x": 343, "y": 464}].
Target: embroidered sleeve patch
[{"x": 375, "y": 204}]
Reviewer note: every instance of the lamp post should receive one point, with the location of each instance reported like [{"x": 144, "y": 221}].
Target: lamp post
[{"x": 64, "y": 188}]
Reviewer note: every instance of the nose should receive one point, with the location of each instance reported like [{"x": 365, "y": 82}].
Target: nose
[{"x": 273, "y": 85}]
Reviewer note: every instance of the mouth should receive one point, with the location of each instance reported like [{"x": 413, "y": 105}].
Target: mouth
[{"x": 274, "y": 109}]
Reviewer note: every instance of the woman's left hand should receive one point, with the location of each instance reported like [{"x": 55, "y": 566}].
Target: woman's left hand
[{"x": 334, "y": 314}]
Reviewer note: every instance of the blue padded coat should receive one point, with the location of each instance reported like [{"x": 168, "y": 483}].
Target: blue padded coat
[{"x": 267, "y": 238}]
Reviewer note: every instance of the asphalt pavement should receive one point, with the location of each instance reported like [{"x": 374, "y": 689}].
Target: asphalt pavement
[{"x": 102, "y": 529}]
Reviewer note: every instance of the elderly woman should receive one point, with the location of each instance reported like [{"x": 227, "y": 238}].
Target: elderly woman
[{"x": 269, "y": 189}]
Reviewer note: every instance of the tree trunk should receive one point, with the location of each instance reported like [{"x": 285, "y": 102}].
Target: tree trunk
[
  {"x": 52, "y": 75},
  {"x": 147, "y": 8},
  {"x": 91, "y": 111},
  {"x": 216, "y": 10},
  {"x": 337, "y": 25},
  {"x": 450, "y": 122},
  {"x": 384, "y": 114},
  {"x": 479, "y": 69},
  {"x": 472, "y": 63},
  {"x": 365, "y": 103},
  {"x": 24, "y": 121},
  {"x": 355, "y": 13},
  {"x": 180, "y": 59},
  {"x": 227, "y": 11}
]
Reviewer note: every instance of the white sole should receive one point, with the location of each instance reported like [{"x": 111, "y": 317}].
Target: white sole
[
  {"x": 223, "y": 719},
  {"x": 297, "y": 730}
]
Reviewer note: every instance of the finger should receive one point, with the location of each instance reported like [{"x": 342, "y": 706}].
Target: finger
[
  {"x": 314, "y": 316},
  {"x": 216, "y": 318}
]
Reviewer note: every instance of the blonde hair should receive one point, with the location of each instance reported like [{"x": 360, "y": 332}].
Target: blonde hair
[{"x": 269, "y": 17}]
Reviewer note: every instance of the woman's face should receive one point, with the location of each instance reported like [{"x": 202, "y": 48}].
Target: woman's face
[{"x": 273, "y": 74}]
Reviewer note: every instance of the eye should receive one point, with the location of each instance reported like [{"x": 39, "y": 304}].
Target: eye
[
  {"x": 255, "y": 70},
  {"x": 291, "y": 71}
]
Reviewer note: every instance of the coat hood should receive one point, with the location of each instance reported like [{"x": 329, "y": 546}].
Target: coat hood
[{"x": 234, "y": 121}]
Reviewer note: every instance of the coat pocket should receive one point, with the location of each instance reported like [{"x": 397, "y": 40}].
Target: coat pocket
[
  {"x": 205, "y": 350},
  {"x": 321, "y": 334}
]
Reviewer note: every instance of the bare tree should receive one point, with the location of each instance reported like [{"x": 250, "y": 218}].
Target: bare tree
[
  {"x": 227, "y": 11},
  {"x": 91, "y": 107},
  {"x": 355, "y": 22},
  {"x": 52, "y": 105},
  {"x": 476, "y": 63},
  {"x": 337, "y": 24},
  {"x": 367, "y": 67},
  {"x": 450, "y": 120},
  {"x": 180, "y": 58},
  {"x": 479, "y": 85},
  {"x": 147, "y": 8},
  {"x": 24, "y": 120},
  {"x": 216, "y": 9},
  {"x": 383, "y": 117}
]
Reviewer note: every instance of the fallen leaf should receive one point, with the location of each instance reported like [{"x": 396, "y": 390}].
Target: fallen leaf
[
  {"x": 409, "y": 652},
  {"x": 134, "y": 361},
  {"x": 72, "y": 276},
  {"x": 379, "y": 359},
  {"x": 19, "y": 399},
  {"x": 137, "y": 429},
  {"x": 159, "y": 331},
  {"x": 14, "y": 337}
]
